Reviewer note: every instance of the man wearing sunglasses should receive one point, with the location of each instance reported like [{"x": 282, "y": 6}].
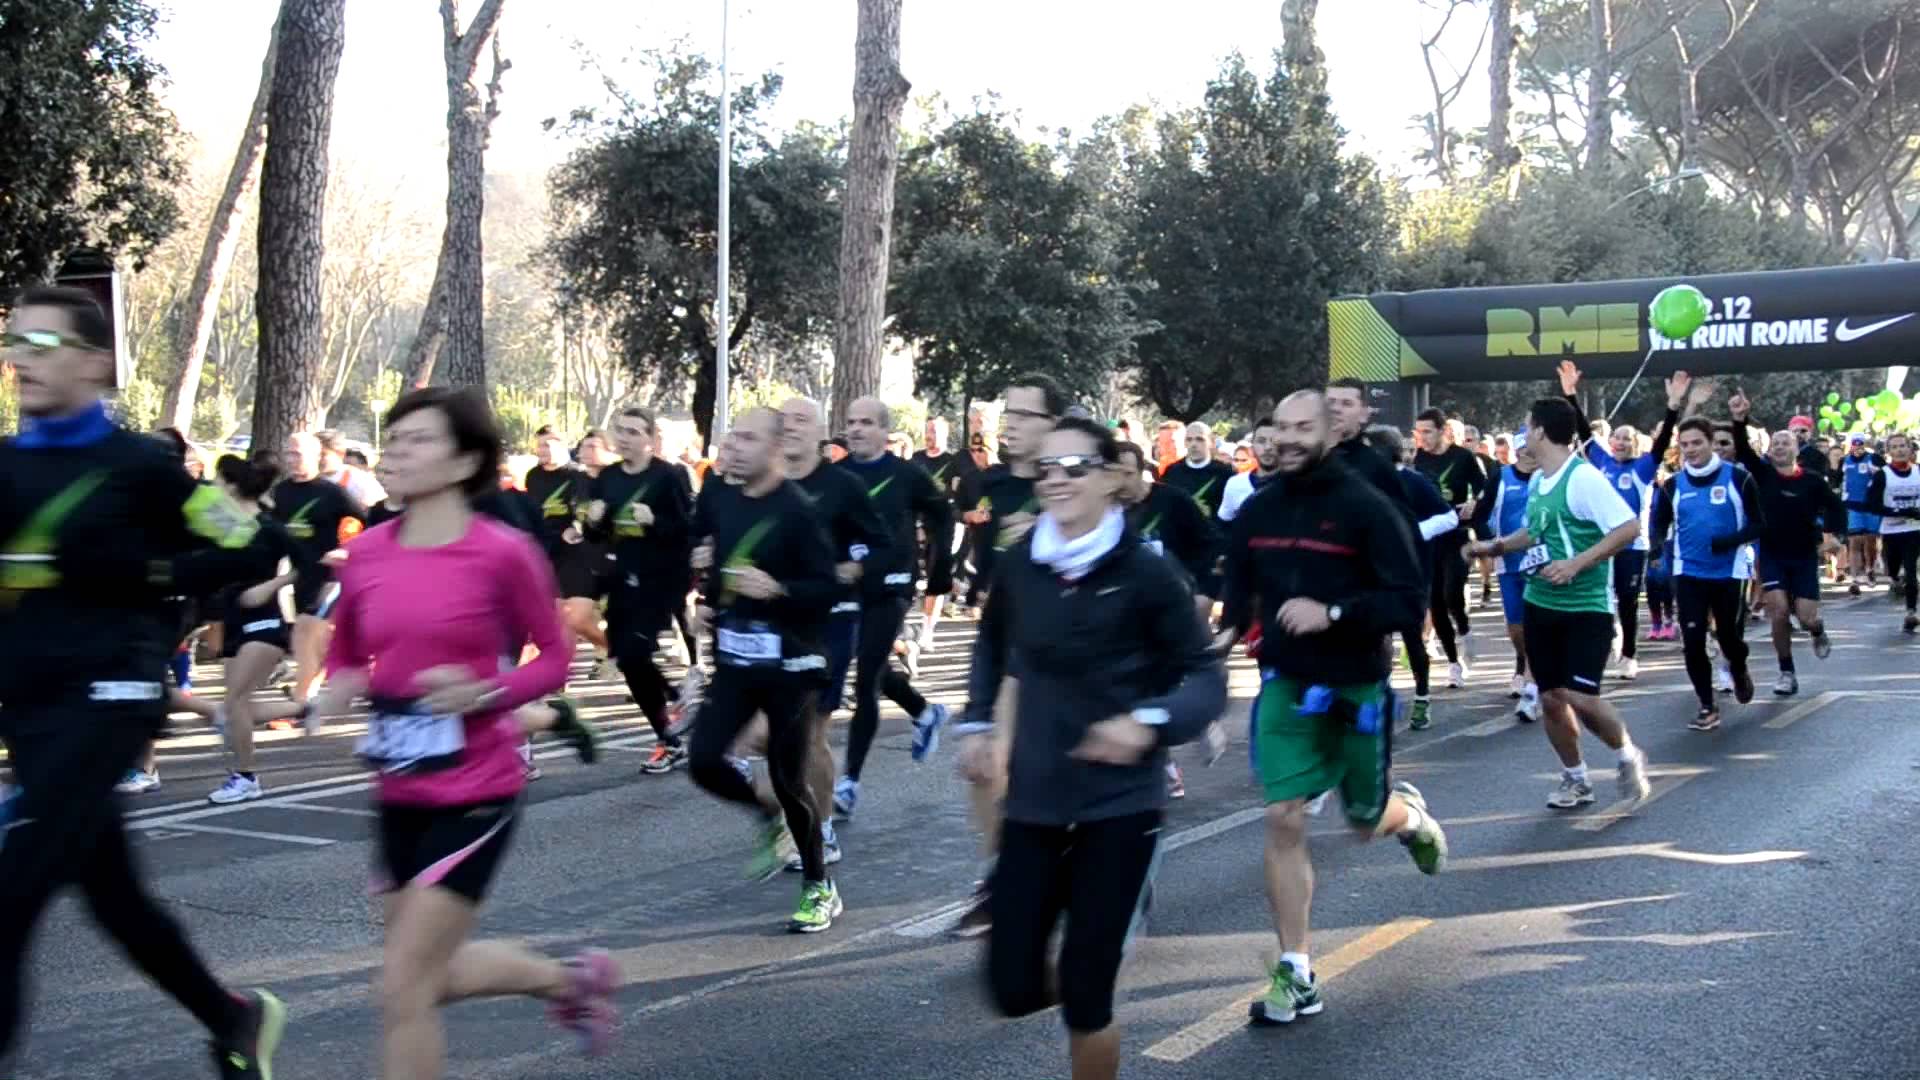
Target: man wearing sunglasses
[{"x": 99, "y": 527}]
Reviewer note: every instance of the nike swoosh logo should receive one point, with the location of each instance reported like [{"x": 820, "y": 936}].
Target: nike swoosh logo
[{"x": 1843, "y": 332}]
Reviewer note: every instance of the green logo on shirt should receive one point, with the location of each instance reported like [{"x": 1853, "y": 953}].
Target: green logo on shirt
[{"x": 27, "y": 560}]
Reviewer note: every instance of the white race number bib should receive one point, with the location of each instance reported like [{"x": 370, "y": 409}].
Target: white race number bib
[
  {"x": 749, "y": 644},
  {"x": 398, "y": 741},
  {"x": 1535, "y": 558}
]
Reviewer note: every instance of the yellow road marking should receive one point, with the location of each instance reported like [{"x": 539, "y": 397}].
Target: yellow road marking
[
  {"x": 1663, "y": 785},
  {"x": 1803, "y": 710},
  {"x": 1202, "y": 1034}
]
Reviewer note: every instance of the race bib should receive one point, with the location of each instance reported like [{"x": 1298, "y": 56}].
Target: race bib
[
  {"x": 401, "y": 741},
  {"x": 1535, "y": 558},
  {"x": 1905, "y": 502},
  {"x": 749, "y": 644}
]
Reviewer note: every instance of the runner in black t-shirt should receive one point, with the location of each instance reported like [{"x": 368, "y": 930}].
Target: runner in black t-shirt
[
  {"x": 948, "y": 468},
  {"x": 561, "y": 489},
  {"x": 1205, "y": 481},
  {"x": 1461, "y": 480},
  {"x": 311, "y": 508}
]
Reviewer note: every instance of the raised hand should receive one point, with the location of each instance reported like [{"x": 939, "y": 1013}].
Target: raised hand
[
  {"x": 1678, "y": 384},
  {"x": 1569, "y": 373}
]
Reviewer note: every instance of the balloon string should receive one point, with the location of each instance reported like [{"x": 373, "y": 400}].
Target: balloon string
[{"x": 1644, "y": 361}]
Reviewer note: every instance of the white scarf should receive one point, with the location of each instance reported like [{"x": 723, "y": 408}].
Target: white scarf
[
  {"x": 1706, "y": 470},
  {"x": 1071, "y": 559}
]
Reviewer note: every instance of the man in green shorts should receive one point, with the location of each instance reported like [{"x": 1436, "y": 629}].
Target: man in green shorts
[
  {"x": 1328, "y": 566},
  {"x": 1575, "y": 524}
]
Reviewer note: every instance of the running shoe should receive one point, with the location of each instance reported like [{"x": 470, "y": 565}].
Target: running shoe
[
  {"x": 1517, "y": 686},
  {"x": 1705, "y": 720},
  {"x": 1853, "y": 589},
  {"x": 1822, "y": 644},
  {"x": 248, "y": 1053},
  {"x": 1742, "y": 685},
  {"x": 846, "y": 796},
  {"x": 587, "y": 1008},
  {"x": 1654, "y": 630},
  {"x": 910, "y": 650},
  {"x": 1632, "y": 777},
  {"x": 771, "y": 853},
  {"x": 531, "y": 772},
  {"x": 1786, "y": 685},
  {"x": 926, "y": 637},
  {"x": 1629, "y": 669},
  {"x": 926, "y": 731},
  {"x": 1723, "y": 678},
  {"x": 978, "y": 918},
  {"x": 1176, "y": 787},
  {"x": 819, "y": 903},
  {"x": 575, "y": 732},
  {"x": 684, "y": 711},
  {"x": 1910, "y": 624},
  {"x": 1570, "y": 793},
  {"x": 1216, "y": 741},
  {"x": 664, "y": 759},
  {"x": 1288, "y": 996},
  {"x": 1528, "y": 711},
  {"x": 138, "y": 782},
  {"x": 285, "y": 723},
  {"x": 1420, "y": 719},
  {"x": 237, "y": 789},
  {"x": 1456, "y": 675},
  {"x": 1428, "y": 843},
  {"x": 830, "y": 853}
]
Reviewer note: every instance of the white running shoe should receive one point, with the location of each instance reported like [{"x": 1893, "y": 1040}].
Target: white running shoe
[
  {"x": 1456, "y": 675},
  {"x": 1633, "y": 776},
  {"x": 1528, "y": 711},
  {"x": 237, "y": 789},
  {"x": 138, "y": 782},
  {"x": 1517, "y": 687},
  {"x": 1629, "y": 668},
  {"x": 1723, "y": 678}
]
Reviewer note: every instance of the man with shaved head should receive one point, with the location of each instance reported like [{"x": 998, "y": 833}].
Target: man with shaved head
[
  {"x": 1328, "y": 565},
  {"x": 948, "y": 470},
  {"x": 312, "y": 508},
  {"x": 858, "y": 537},
  {"x": 903, "y": 497},
  {"x": 1205, "y": 480},
  {"x": 771, "y": 585}
]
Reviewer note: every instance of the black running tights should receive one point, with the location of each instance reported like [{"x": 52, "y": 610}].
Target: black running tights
[
  {"x": 1448, "y": 595},
  {"x": 1902, "y": 554},
  {"x": 733, "y": 697},
  {"x": 66, "y": 829},
  {"x": 1718, "y": 599},
  {"x": 880, "y": 622}
]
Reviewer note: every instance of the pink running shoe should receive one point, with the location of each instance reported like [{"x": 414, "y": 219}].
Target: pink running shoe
[{"x": 588, "y": 1009}]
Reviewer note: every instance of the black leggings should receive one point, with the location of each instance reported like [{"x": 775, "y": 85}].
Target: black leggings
[
  {"x": 880, "y": 622},
  {"x": 1720, "y": 599},
  {"x": 1418, "y": 661},
  {"x": 1098, "y": 874},
  {"x": 733, "y": 697},
  {"x": 1902, "y": 552},
  {"x": 1447, "y": 599},
  {"x": 634, "y": 623},
  {"x": 67, "y": 830},
  {"x": 1629, "y": 571}
]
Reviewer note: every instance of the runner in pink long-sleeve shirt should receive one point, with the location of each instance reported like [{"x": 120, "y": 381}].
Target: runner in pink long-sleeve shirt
[{"x": 429, "y": 604}]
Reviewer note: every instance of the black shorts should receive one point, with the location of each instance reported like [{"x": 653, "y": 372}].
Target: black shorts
[
  {"x": 246, "y": 626},
  {"x": 457, "y": 848},
  {"x": 1567, "y": 650},
  {"x": 581, "y": 571},
  {"x": 314, "y": 595},
  {"x": 1797, "y": 576}
]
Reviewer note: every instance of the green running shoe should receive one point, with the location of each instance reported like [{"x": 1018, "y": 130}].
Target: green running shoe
[
  {"x": 775, "y": 846},
  {"x": 819, "y": 903},
  {"x": 1418, "y": 720},
  {"x": 1428, "y": 843},
  {"x": 248, "y": 1053},
  {"x": 573, "y": 731},
  {"x": 1288, "y": 997}
]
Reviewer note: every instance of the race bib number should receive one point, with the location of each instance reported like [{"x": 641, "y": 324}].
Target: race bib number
[
  {"x": 751, "y": 644},
  {"x": 399, "y": 741},
  {"x": 1905, "y": 502},
  {"x": 1535, "y": 558}
]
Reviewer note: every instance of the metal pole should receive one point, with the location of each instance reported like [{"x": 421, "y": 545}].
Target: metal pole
[{"x": 720, "y": 317}]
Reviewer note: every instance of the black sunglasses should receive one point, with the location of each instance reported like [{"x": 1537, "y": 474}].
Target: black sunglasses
[{"x": 1075, "y": 466}]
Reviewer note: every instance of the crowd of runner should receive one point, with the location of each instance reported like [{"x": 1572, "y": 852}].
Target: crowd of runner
[{"x": 444, "y": 598}]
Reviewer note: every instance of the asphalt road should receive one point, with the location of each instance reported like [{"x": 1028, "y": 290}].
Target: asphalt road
[{"x": 1755, "y": 919}]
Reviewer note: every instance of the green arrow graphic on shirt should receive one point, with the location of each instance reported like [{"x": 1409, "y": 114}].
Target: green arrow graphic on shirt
[
  {"x": 27, "y": 560},
  {"x": 741, "y": 557},
  {"x": 298, "y": 525},
  {"x": 874, "y": 493},
  {"x": 555, "y": 506},
  {"x": 628, "y": 527},
  {"x": 1200, "y": 496},
  {"x": 1005, "y": 538},
  {"x": 1153, "y": 525}
]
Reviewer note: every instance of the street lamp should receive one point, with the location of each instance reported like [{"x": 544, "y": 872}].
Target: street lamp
[{"x": 1684, "y": 174}]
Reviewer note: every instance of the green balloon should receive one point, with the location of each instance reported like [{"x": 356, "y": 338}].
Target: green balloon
[
  {"x": 1679, "y": 310},
  {"x": 1825, "y": 424},
  {"x": 1834, "y": 399},
  {"x": 1861, "y": 403},
  {"x": 1846, "y": 407}
]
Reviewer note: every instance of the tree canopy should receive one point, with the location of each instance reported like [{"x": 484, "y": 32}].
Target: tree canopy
[{"x": 92, "y": 156}]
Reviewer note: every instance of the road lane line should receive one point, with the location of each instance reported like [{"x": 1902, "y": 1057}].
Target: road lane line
[
  {"x": 1663, "y": 785},
  {"x": 1802, "y": 711},
  {"x": 1196, "y": 1037},
  {"x": 285, "y": 838},
  {"x": 352, "y": 811}
]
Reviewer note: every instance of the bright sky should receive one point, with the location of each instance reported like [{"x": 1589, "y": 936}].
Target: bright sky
[{"x": 1059, "y": 63}]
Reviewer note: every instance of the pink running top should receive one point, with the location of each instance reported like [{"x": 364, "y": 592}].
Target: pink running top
[{"x": 405, "y": 610}]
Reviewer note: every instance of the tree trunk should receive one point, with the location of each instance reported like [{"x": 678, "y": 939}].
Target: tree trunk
[
  {"x": 417, "y": 372},
  {"x": 1899, "y": 236},
  {"x": 293, "y": 196},
  {"x": 1600, "y": 87},
  {"x": 216, "y": 256},
  {"x": 468, "y": 119},
  {"x": 1298, "y": 43},
  {"x": 866, "y": 232},
  {"x": 1500, "y": 153},
  {"x": 1689, "y": 113}
]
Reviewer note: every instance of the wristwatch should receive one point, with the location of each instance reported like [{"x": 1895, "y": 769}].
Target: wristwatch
[{"x": 1333, "y": 613}]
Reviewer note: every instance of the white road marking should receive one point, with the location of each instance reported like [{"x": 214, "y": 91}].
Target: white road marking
[{"x": 253, "y": 834}]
